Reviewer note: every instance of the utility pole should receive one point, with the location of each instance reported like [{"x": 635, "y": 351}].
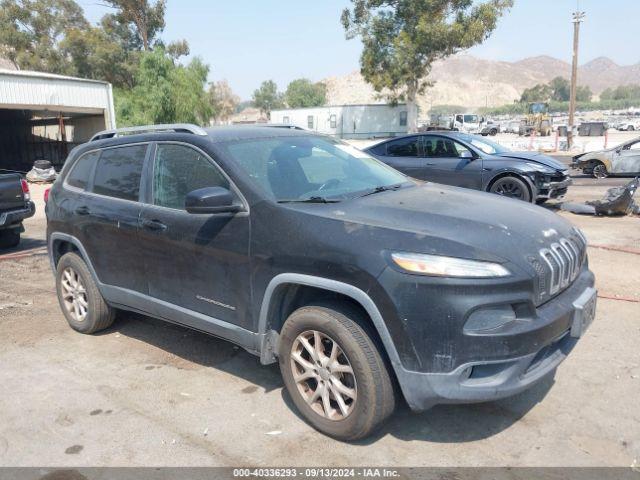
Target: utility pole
[{"x": 577, "y": 19}]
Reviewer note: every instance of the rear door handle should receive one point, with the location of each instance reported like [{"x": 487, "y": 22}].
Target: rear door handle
[
  {"x": 84, "y": 210},
  {"x": 155, "y": 225}
]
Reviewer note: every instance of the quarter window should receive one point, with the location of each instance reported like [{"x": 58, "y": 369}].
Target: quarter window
[
  {"x": 403, "y": 147},
  {"x": 82, "y": 170},
  {"x": 179, "y": 170},
  {"x": 118, "y": 172}
]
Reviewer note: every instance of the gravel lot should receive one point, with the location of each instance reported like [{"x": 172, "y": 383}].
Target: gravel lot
[{"x": 145, "y": 393}]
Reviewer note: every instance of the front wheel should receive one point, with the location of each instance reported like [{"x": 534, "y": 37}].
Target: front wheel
[
  {"x": 511, "y": 187},
  {"x": 600, "y": 171},
  {"x": 333, "y": 371}
]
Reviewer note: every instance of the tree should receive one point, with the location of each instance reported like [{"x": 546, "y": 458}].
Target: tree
[
  {"x": 143, "y": 20},
  {"x": 222, "y": 100},
  {"x": 583, "y": 93},
  {"x": 267, "y": 97},
  {"x": 561, "y": 89},
  {"x": 31, "y": 32},
  {"x": 303, "y": 93},
  {"x": 537, "y": 93},
  {"x": 165, "y": 92},
  {"x": 402, "y": 39}
]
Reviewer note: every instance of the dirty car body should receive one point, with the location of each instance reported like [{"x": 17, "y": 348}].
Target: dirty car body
[
  {"x": 622, "y": 160},
  {"x": 303, "y": 229},
  {"x": 470, "y": 161}
]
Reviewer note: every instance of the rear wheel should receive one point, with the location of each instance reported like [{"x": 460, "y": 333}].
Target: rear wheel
[
  {"x": 630, "y": 128},
  {"x": 599, "y": 170},
  {"x": 511, "y": 187},
  {"x": 334, "y": 372},
  {"x": 9, "y": 238},
  {"x": 79, "y": 297}
]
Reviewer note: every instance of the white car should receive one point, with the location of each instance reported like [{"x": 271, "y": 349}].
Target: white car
[{"x": 629, "y": 125}]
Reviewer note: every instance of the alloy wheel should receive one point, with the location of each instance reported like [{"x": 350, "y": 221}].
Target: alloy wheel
[
  {"x": 323, "y": 375},
  {"x": 508, "y": 188},
  {"x": 74, "y": 295},
  {"x": 600, "y": 171}
]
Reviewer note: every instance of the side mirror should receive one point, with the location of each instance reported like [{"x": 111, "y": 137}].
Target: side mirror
[
  {"x": 211, "y": 200},
  {"x": 466, "y": 154}
]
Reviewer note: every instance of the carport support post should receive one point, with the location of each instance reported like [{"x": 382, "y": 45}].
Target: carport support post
[{"x": 577, "y": 18}]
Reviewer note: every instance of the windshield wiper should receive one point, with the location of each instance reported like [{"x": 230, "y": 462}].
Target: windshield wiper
[
  {"x": 309, "y": 200},
  {"x": 382, "y": 188}
]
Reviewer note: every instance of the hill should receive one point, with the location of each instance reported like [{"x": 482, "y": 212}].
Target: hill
[{"x": 473, "y": 82}]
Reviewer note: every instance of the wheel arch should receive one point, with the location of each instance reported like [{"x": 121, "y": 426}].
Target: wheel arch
[
  {"x": 61, "y": 243},
  {"x": 288, "y": 291}
]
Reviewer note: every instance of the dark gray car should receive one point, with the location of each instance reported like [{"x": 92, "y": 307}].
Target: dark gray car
[{"x": 471, "y": 161}]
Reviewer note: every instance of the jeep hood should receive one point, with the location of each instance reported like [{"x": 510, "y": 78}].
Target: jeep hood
[
  {"x": 438, "y": 219},
  {"x": 533, "y": 157}
]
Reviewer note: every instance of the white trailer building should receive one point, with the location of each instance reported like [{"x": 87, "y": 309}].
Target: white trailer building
[
  {"x": 347, "y": 121},
  {"x": 43, "y": 116}
]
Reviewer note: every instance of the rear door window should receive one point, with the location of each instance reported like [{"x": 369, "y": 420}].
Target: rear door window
[
  {"x": 81, "y": 171},
  {"x": 119, "y": 171}
]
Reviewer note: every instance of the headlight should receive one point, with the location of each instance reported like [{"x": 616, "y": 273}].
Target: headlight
[
  {"x": 448, "y": 266},
  {"x": 540, "y": 168}
]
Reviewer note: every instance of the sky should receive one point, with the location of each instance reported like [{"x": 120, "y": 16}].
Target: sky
[{"x": 248, "y": 41}]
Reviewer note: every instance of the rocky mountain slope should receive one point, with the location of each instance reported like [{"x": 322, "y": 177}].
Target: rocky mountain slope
[{"x": 473, "y": 82}]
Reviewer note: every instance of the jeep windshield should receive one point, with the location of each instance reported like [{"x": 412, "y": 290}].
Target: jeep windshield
[{"x": 313, "y": 169}]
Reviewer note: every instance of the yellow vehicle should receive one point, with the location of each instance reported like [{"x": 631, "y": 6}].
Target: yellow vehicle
[{"x": 537, "y": 120}]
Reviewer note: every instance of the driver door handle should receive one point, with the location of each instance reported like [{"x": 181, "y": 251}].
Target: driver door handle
[
  {"x": 83, "y": 210},
  {"x": 154, "y": 225}
]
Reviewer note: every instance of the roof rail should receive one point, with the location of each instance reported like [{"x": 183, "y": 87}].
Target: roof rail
[{"x": 173, "y": 127}]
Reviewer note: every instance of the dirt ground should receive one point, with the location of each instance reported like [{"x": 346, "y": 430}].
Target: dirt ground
[{"x": 146, "y": 393}]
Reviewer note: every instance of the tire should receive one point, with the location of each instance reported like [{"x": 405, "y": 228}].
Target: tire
[
  {"x": 371, "y": 399},
  {"x": 9, "y": 238},
  {"x": 493, "y": 132},
  {"x": 630, "y": 128},
  {"x": 599, "y": 170},
  {"x": 76, "y": 291},
  {"x": 511, "y": 187}
]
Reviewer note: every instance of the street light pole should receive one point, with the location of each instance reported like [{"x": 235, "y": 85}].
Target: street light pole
[{"x": 577, "y": 19}]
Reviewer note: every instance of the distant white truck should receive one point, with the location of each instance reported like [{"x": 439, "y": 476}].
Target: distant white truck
[{"x": 468, "y": 122}]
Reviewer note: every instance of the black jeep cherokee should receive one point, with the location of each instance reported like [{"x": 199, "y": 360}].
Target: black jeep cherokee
[{"x": 306, "y": 251}]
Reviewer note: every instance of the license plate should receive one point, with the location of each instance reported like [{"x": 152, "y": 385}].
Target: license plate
[{"x": 584, "y": 312}]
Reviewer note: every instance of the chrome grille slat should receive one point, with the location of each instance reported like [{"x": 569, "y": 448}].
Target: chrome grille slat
[{"x": 561, "y": 262}]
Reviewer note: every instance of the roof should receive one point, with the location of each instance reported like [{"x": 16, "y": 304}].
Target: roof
[
  {"x": 246, "y": 132},
  {"x": 32, "y": 74},
  {"x": 346, "y": 105}
]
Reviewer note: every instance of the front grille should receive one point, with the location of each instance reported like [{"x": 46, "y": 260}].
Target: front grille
[{"x": 558, "y": 265}]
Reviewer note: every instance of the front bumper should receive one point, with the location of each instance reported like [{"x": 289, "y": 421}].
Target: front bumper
[
  {"x": 479, "y": 380},
  {"x": 554, "y": 189},
  {"x": 12, "y": 218}
]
